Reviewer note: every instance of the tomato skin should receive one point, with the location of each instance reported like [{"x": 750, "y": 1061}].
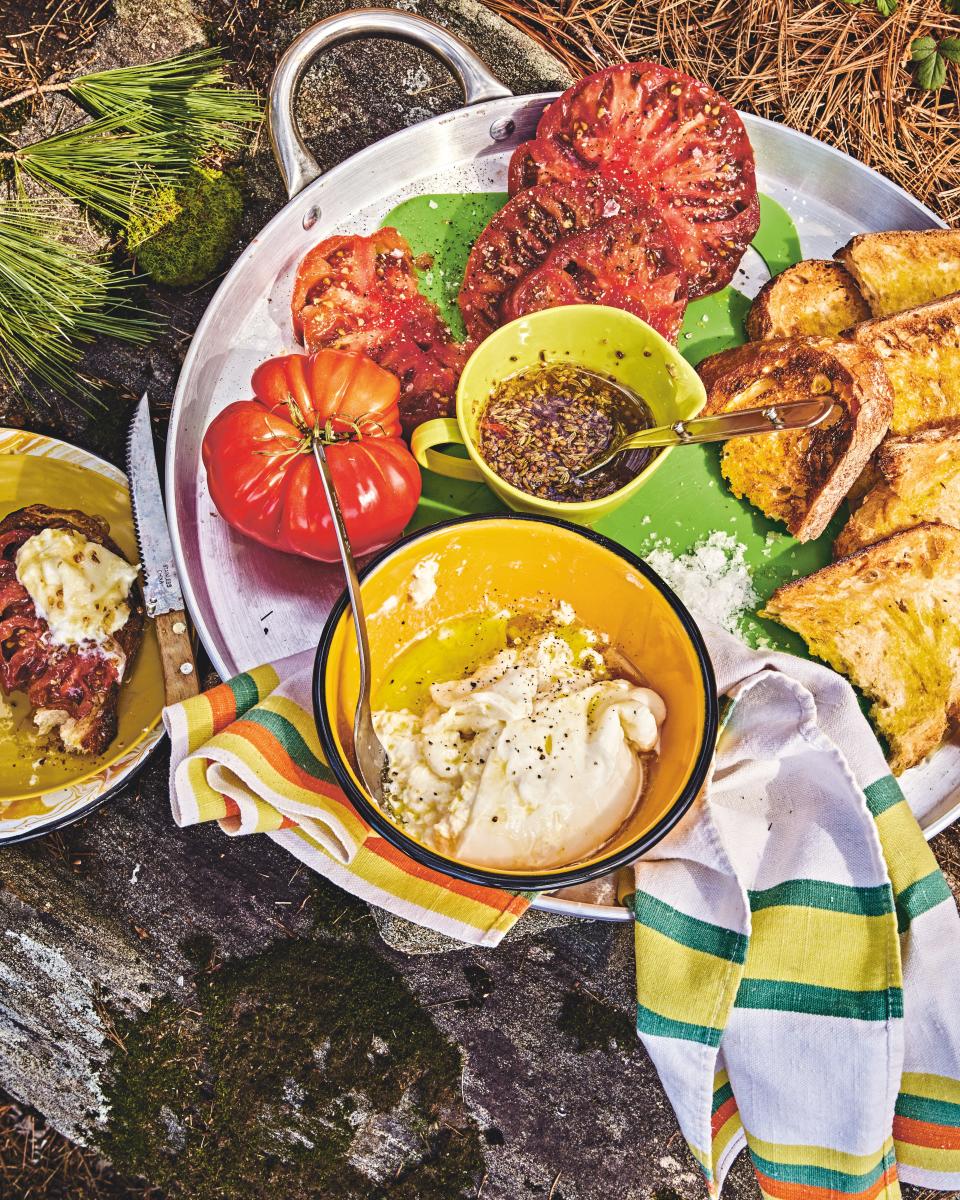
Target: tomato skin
[
  {"x": 522, "y": 235},
  {"x": 668, "y": 138},
  {"x": 260, "y": 467},
  {"x": 628, "y": 261},
  {"x": 360, "y": 293}
]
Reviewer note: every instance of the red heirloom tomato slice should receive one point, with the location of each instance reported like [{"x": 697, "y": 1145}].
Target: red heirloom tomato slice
[
  {"x": 259, "y": 455},
  {"x": 629, "y": 262},
  {"x": 360, "y": 294},
  {"x": 521, "y": 236},
  {"x": 670, "y": 138}
]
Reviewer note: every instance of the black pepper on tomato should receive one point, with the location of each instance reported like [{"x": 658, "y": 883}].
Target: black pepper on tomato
[
  {"x": 588, "y": 241},
  {"x": 672, "y": 142}
]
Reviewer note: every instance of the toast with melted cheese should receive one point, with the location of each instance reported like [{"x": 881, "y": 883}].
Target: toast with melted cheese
[
  {"x": 73, "y": 686},
  {"x": 920, "y": 481},
  {"x": 901, "y": 269},
  {"x": 920, "y": 352}
]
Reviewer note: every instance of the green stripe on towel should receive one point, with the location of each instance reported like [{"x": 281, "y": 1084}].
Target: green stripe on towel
[
  {"x": 836, "y": 1182},
  {"x": 834, "y": 897},
  {"x": 786, "y": 996},
  {"x": 721, "y": 1096},
  {"x": 920, "y": 897},
  {"x": 290, "y": 739},
  {"x": 934, "y": 1112},
  {"x": 245, "y": 694},
  {"x": 883, "y": 794},
  {"x": 689, "y": 931},
  {"x": 650, "y": 1022}
]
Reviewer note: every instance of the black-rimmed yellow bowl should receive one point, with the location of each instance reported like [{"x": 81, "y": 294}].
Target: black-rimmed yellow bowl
[{"x": 527, "y": 563}]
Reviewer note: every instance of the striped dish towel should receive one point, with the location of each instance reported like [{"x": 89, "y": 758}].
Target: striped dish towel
[
  {"x": 246, "y": 754},
  {"x": 798, "y": 951}
]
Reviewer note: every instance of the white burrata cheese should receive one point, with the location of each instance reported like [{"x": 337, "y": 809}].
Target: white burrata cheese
[
  {"x": 423, "y": 581},
  {"x": 532, "y": 761},
  {"x": 78, "y": 587}
]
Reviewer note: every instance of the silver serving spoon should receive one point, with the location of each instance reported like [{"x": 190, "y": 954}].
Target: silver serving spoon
[
  {"x": 372, "y": 759},
  {"x": 799, "y": 414}
]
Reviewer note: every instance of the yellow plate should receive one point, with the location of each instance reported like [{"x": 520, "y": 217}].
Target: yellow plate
[{"x": 37, "y": 785}]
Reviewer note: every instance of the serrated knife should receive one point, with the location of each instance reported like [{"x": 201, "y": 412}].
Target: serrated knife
[{"x": 161, "y": 586}]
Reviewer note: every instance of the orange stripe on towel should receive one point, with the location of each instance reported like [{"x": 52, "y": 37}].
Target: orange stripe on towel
[
  {"x": 779, "y": 1190},
  {"x": 459, "y": 887},
  {"x": 924, "y": 1133}
]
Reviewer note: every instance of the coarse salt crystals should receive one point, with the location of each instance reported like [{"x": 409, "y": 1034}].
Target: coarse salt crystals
[{"x": 713, "y": 579}]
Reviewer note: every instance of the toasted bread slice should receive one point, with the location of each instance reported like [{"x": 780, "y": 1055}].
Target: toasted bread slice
[
  {"x": 903, "y": 268},
  {"x": 920, "y": 352},
  {"x": 56, "y": 675},
  {"x": 799, "y": 476},
  {"x": 887, "y": 618},
  {"x": 815, "y": 297},
  {"x": 868, "y": 478},
  {"x": 910, "y": 463},
  {"x": 920, "y": 482}
]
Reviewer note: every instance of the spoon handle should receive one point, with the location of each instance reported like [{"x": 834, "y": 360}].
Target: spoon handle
[
  {"x": 772, "y": 418},
  {"x": 365, "y": 740}
]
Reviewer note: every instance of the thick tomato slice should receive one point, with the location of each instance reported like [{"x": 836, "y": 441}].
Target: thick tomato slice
[
  {"x": 360, "y": 294},
  {"x": 630, "y": 261},
  {"x": 521, "y": 236},
  {"x": 669, "y": 138}
]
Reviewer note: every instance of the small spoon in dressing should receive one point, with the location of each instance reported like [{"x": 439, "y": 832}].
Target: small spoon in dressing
[{"x": 799, "y": 414}]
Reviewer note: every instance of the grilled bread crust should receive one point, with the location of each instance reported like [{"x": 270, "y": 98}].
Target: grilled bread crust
[
  {"x": 96, "y": 731},
  {"x": 920, "y": 352},
  {"x": 815, "y": 297},
  {"x": 903, "y": 268},
  {"x": 799, "y": 476},
  {"x": 910, "y": 462},
  {"x": 920, "y": 482},
  {"x": 886, "y": 617}
]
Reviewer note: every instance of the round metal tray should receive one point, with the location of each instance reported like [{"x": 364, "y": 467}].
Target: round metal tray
[{"x": 252, "y": 605}]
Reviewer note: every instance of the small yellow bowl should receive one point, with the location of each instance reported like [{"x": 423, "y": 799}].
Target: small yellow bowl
[
  {"x": 525, "y": 563},
  {"x": 605, "y": 340}
]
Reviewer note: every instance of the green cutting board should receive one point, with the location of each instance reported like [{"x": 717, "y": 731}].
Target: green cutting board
[{"x": 687, "y": 498}]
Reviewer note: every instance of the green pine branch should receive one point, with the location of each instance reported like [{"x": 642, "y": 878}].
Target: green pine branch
[
  {"x": 55, "y": 297},
  {"x": 150, "y": 125},
  {"x": 187, "y": 94},
  {"x": 103, "y": 166}
]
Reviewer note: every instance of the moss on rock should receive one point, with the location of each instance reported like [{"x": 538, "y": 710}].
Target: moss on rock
[
  {"x": 186, "y": 233},
  {"x": 593, "y": 1023},
  {"x": 307, "y": 1071}
]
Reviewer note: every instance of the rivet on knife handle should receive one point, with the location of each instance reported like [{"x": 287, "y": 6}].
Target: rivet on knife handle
[{"x": 176, "y": 656}]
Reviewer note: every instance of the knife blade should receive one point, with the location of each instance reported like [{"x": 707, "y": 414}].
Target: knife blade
[{"x": 161, "y": 584}]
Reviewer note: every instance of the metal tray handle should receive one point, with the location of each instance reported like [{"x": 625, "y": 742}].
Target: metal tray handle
[{"x": 297, "y": 165}]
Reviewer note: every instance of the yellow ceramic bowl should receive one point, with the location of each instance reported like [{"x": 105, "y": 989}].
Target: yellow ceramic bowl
[
  {"x": 608, "y": 341},
  {"x": 528, "y": 564}
]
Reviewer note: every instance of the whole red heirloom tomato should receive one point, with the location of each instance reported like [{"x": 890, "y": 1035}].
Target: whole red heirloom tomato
[{"x": 259, "y": 455}]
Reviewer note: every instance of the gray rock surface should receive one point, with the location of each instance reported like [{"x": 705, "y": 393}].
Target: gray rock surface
[{"x": 125, "y": 941}]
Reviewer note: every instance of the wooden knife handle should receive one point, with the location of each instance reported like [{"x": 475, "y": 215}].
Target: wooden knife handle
[{"x": 176, "y": 654}]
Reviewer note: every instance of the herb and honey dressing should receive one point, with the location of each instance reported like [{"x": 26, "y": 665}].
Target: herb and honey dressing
[
  {"x": 512, "y": 744},
  {"x": 542, "y": 425}
]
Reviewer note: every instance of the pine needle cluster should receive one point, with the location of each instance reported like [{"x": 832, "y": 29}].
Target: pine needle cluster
[
  {"x": 149, "y": 126},
  {"x": 56, "y": 296}
]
